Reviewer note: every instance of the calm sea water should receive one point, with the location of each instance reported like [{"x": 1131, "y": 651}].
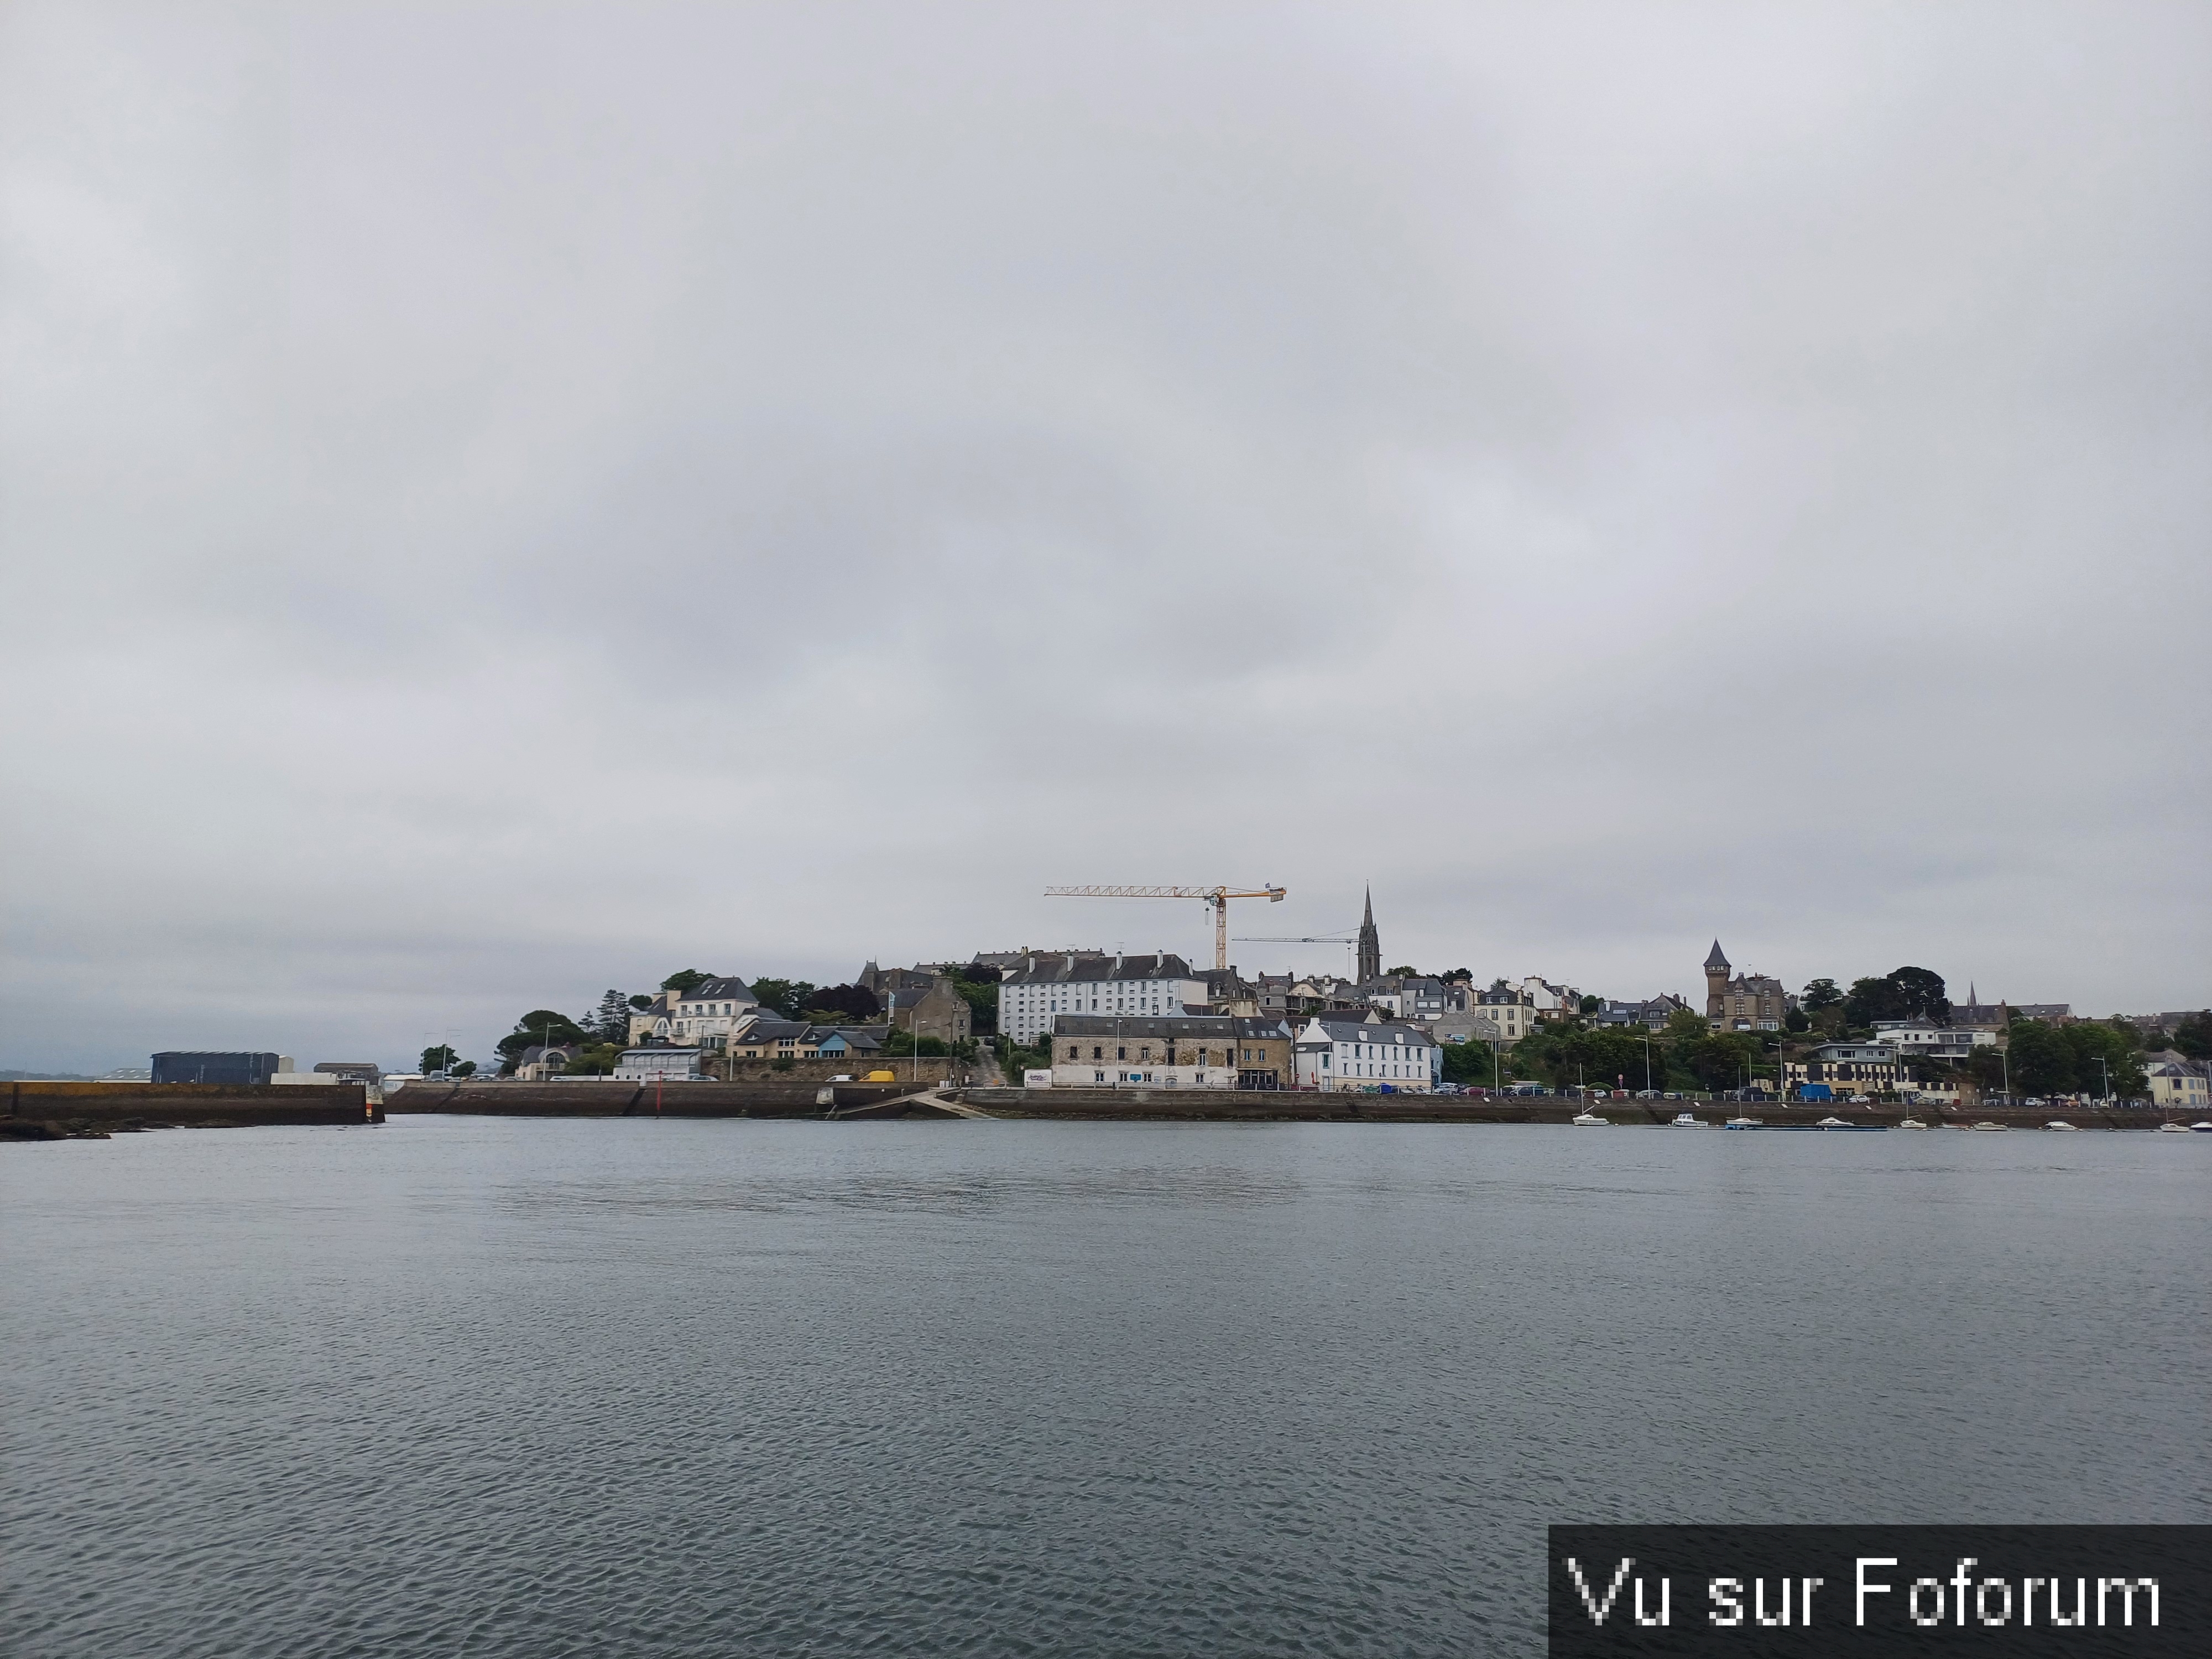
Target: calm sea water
[{"x": 474, "y": 1386}]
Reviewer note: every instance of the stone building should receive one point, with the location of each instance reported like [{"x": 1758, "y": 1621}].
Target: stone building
[
  {"x": 1746, "y": 1002},
  {"x": 1201, "y": 1051},
  {"x": 936, "y": 1011}
]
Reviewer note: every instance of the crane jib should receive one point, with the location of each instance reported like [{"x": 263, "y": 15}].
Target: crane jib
[{"x": 1216, "y": 899}]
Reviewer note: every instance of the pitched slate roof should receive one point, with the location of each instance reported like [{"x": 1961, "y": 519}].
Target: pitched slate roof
[
  {"x": 1353, "y": 1031},
  {"x": 728, "y": 988},
  {"x": 1184, "y": 1027},
  {"x": 1048, "y": 970}
]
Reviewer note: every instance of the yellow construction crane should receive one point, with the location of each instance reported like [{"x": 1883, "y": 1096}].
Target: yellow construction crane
[{"x": 1217, "y": 897}]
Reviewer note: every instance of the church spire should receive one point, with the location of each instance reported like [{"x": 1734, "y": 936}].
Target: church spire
[{"x": 1371, "y": 943}]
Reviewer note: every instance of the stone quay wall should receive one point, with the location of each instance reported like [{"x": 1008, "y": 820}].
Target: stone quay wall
[
  {"x": 1302, "y": 1106},
  {"x": 772, "y": 1094},
  {"x": 105, "y": 1104}
]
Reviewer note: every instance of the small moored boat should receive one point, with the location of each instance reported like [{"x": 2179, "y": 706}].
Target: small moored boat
[
  {"x": 1745, "y": 1124},
  {"x": 1986, "y": 1124},
  {"x": 1592, "y": 1120},
  {"x": 2069, "y": 1128},
  {"x": 1912, "y": 1123},
  {"x": 2174, "y": 1128},
  {"x": 1686, "y": 1120},
  {"x": 2201, "y": 1128}
]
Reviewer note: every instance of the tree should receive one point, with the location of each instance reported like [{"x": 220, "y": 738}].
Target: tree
[
  {"x": 2041, "y": 1061},
  {"x": 640, "y": 1002},
  {"x": 1819, "y": 994},
  {"x": 1471, "y": 1062},
  {"x": 1796, "y": 1019},
  {"x": 847, "y": 1002},
  {"x": 684, "y": 982},
  {"x": 1591, "y": 1005},
  {"x": 1013, "y": 1059},
  {"x": 1921, "y": 992},
  {"x": 610, "y": 1021},
  {"x": 900, "y": 1044},
  {"x": 1719, "y": 1060},
  {"x": 1402, "y": 973},
  {"x": 978, "y": 973},
  {"x": 982, "y": 1002},
  {"x": 1872, "y": 999},
  {"x": 598, "y": 1060},
  {"x": 466, "y": 1068},
  {"x": 2090, "y": 1042},
  {"x": 2193, "y": 1036},
  {"x": 539, "y": 1026},
  {"x": 1901, "y": 993},
  {"x": 440, "y": 1058},
  {"x": 784, "y": 996},
  {"x": 1987, "y": 1067}
]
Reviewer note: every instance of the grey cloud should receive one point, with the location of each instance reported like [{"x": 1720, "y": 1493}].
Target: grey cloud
[{"x": 497, "y": 503}]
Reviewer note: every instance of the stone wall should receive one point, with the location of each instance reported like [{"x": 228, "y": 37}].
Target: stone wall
[
  {"x": 923, "y": 1070},
  {"x": 187, "y": 1103}
]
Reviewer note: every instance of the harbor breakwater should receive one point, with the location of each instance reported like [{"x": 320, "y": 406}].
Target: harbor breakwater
[
  {"x": 33, "y": 1110},
  {"x": 768, "y": 1098},
  {"x": 764, "y": 1096}
]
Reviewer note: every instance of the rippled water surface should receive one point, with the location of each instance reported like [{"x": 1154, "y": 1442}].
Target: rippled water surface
[{"x": 482, "y": 1387}]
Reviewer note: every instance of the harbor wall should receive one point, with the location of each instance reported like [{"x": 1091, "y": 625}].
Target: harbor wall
[
  {"x": 769, "y": 1095},
  {"x": 106, "y": 1104},
  {"x": 1235, "y": 1105}
]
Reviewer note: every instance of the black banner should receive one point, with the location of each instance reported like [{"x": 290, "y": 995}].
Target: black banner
[{"x": 1818, "y": 1591}]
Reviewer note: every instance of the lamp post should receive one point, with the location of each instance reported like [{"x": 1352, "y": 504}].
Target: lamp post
[
  {"x": 1647, "y": 1063},
  {"x": 2108, "y": 1070}
]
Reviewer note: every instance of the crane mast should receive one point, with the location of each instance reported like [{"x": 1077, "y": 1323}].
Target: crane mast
[{"x": 1217, "y": 898}]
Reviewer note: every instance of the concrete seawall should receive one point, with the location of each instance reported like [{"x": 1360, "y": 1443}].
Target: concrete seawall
[
  {"x": 37, "y": 1110},
  {"x": 766, "y": 1097},
  {"x": 1167, "y": 1105}
]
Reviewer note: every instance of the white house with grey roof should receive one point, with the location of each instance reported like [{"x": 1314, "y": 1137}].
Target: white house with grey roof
[
  {"x": 703, "y": 1017},
  {"x": 1031, "y": 994},
  {"x": 1337, "y": 1055}
]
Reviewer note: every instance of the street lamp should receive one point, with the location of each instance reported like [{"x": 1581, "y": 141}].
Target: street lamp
[
  {"x": 2108, "y": 1078},
  {"x": 1647, "y": 1063}
]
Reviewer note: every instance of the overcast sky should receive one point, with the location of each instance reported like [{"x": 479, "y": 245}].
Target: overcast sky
[{"x": 498, "y": 503}]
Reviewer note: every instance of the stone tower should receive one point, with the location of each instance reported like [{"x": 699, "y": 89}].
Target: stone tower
[
  {"x": 1716, "y": 979},
  {"x": 1370, "y": 945}
]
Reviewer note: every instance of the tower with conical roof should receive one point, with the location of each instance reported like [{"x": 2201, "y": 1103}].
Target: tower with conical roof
[
  {"x": 1370, "y": 945},
  {"x": 1716, "y": 979}
]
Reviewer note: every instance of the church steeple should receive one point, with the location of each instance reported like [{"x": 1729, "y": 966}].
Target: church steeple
[{"x": 1371, "y": 943}]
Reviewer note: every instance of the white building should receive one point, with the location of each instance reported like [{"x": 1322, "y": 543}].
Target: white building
[
  {"x": 1029, "y": 996},
  {"x": 2177, "y": 1086},
  {"x": 1335, "y": 1055},
  {"x": 1923, "y": 1039},
  {"x": 658, "y": 1065},
  {"x": 705, "y": 1016}
]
